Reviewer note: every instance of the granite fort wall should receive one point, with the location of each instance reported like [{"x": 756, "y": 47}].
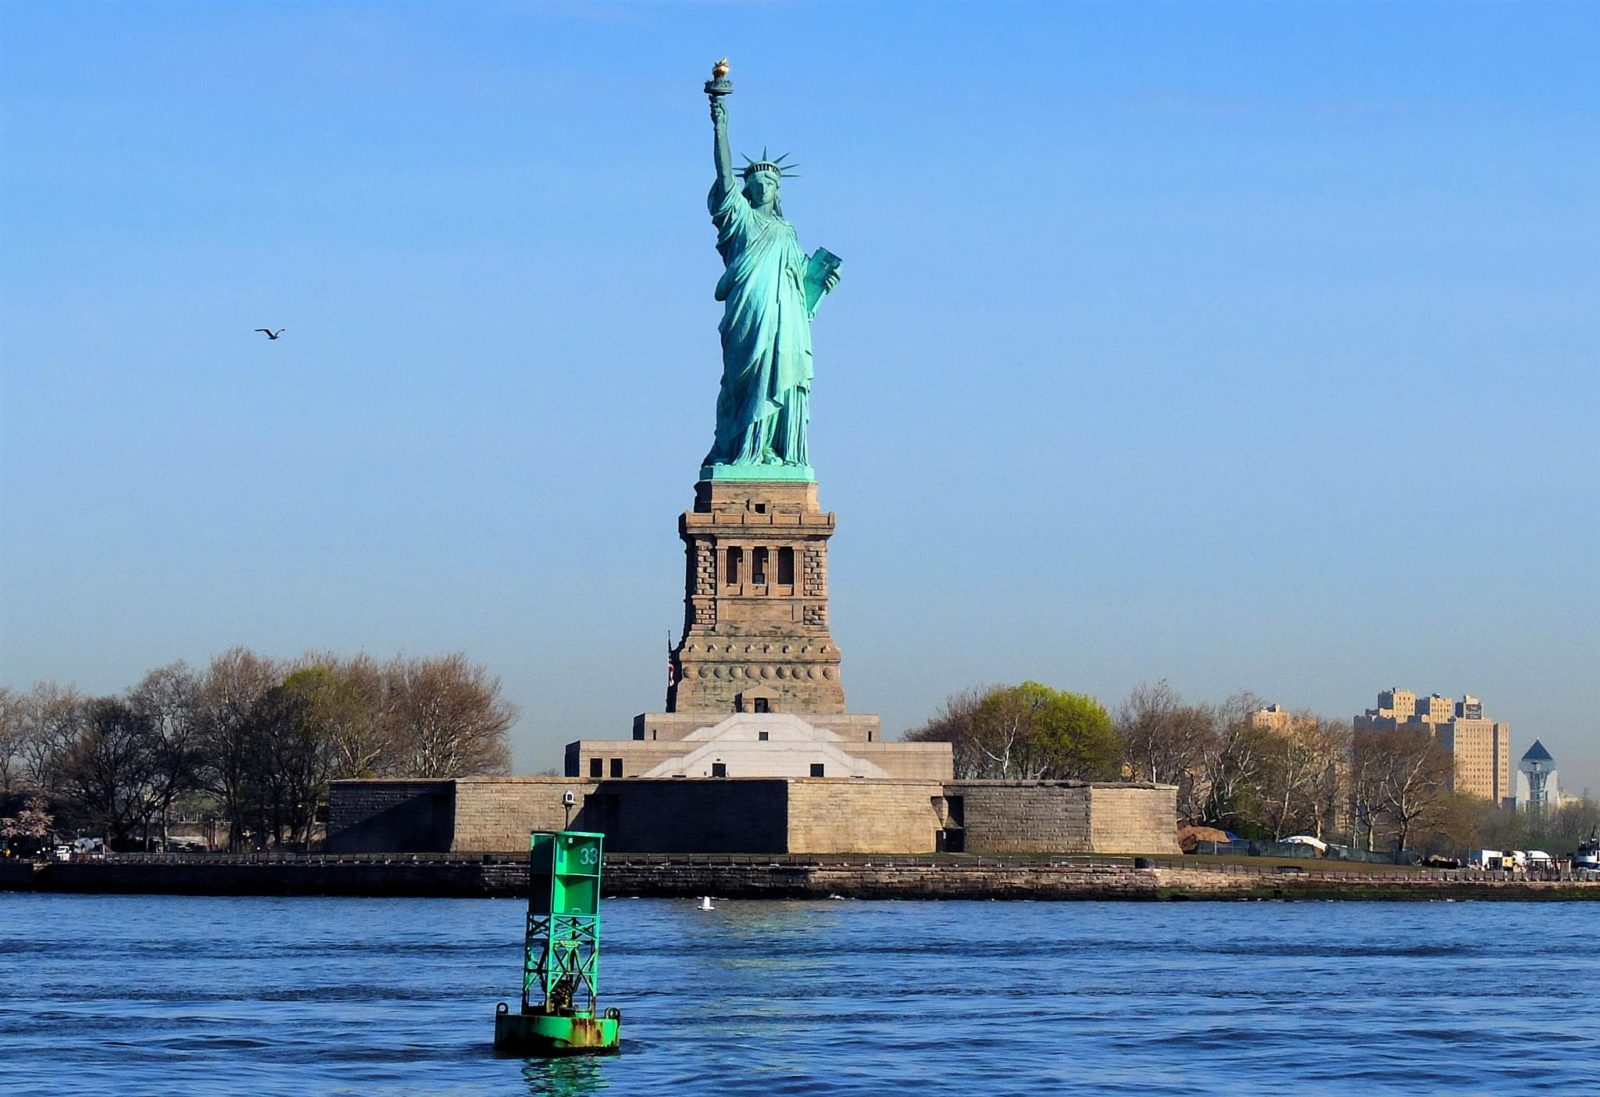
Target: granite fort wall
[
  {"x": 495, "y": 814},
  {"x": 850, "y": 816},
  {"x": 1133, "y": 819},
  {"x": 1021, "y": 816},
  {"x": 379, "y": 815},
  {"x": 1064, "y": 817},
  {"x": 678, "y": 815},
  {"x": 753, "y": 815}
]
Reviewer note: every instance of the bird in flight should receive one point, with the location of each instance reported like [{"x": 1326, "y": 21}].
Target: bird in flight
[{"x": 272, "y": 334}]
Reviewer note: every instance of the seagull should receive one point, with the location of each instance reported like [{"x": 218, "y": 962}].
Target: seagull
[
  {"x": 272, "y": 334},
  {"x": 705, "y": 903}
]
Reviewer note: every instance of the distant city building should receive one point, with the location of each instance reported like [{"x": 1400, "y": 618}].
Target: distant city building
[
  {"x": 1273, "y": 717},
  {"x": 1395, "y": 704},
  {"x": 1479, "y": 747},
  {"x": 1434, "y": 709},
  {"x": 1537, "y": 785}
]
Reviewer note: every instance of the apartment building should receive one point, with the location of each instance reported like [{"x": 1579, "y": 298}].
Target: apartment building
[{"x": 1479, "y": 746}]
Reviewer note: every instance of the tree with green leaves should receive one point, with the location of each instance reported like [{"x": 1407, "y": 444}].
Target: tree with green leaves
[
  {"x": 1025, "y": 732},
  {"x": 297, "y": 719},
  {"x": 359, "y": 726}
]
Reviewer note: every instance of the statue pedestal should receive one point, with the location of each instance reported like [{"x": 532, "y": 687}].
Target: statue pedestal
[
  {"x": 755, "y": 635},
  {"x": 760, "y": 473}
]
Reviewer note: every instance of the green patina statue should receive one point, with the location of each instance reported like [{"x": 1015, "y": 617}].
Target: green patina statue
[{"x": 771, "y": 289}]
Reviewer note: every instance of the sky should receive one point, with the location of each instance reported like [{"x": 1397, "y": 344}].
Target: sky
[{"x": 1246, "y": 346}]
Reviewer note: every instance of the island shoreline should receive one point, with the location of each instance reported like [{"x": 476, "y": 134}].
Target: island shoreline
[{"x": 786, "y": 877}]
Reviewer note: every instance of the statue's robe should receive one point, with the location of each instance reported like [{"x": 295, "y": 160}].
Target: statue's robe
[{"x": 763, "y": 406}]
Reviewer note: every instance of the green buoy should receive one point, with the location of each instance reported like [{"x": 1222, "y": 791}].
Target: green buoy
[{"x": 561, "y": 957}]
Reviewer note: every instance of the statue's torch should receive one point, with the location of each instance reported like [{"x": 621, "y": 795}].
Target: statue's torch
[{"x": 719, "y": 84}]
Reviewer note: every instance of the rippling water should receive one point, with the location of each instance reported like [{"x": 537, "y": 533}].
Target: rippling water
[{"x": 170, "y": 995}]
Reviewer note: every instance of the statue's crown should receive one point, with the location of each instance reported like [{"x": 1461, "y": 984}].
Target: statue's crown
[{"x": 775, "y": 165}]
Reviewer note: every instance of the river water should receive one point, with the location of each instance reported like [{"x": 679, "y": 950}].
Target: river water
[{"x": 170, "y": 995}]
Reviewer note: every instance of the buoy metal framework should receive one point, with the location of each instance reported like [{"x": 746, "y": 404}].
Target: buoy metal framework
[{"x": 560, "y": 1012}]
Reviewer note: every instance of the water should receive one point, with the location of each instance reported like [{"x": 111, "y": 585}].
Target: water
[{"x": 169, "y": 995}]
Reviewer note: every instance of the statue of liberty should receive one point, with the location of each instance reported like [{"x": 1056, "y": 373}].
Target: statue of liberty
[{"x": 771, "y": 290}]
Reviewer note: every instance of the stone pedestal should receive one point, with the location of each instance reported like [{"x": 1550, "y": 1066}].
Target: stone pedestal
[{"x": 755, "y": 632}]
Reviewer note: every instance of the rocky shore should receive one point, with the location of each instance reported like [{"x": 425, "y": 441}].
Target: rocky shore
[{"x": 793, "y": 877}]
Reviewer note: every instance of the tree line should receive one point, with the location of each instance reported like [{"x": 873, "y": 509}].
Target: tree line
[
  {"x": 1240, "y": 767},
  {"x": 249, "y": 740}
]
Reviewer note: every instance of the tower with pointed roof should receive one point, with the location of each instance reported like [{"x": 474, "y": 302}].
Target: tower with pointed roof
[{"x": 1537, "y": 788}]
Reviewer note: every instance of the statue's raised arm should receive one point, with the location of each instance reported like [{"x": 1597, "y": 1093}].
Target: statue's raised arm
[
  {"x": 718, "y": 88},
  {"x": 771, "y": 290}
]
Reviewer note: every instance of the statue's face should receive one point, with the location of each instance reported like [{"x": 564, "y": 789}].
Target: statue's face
[{"x": 761, "y": 189}]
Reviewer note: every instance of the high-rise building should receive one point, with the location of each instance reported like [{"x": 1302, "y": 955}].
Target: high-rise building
[
  {"x": 1479, "y": 747},
  {"x": 1482, "y": 753},
  {"x": 1395, "y": 705},
  {"x": 1434, "y": 709}
]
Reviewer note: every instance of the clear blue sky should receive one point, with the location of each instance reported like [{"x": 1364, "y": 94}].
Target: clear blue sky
[{"x": 1244, "y": 345}]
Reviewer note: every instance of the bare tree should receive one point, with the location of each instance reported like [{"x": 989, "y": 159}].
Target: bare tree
[
  {"x": 1330, "y": 787},
  {"x": 1569, "y": 824},
  {"x": 448, "y": 718},
  {"x": 260, "y": 738},
  {"x": 13, "y": 722},
  {"x": 1405, "y": 776},
  {"x": 1166, "y": 740},
  {"x": 108, "y": 773},
  {"x": 1232, "y": 761},
  {"x": 231, "y": 695},
  {"x": 302, "y": 719},
  {"x": 359, "y": 722},
  {"x": 1300, "y": 776},
  {"x": 1366, "y": 793},
  {"x": 956, "y": 723},
  {"x": 52, "y": 720},
  {"x": 169, "y": 697}
]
